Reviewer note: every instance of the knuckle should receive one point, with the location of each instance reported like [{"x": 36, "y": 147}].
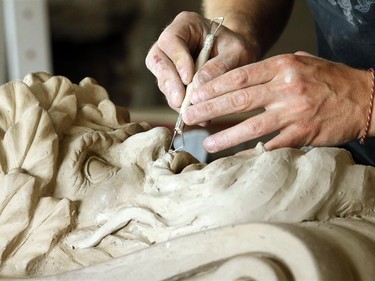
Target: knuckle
[
  {"x": 209, "y": 107},
  {"x": 165, "y": 38},
  {"x": 296, "y": 85},
  {"x": 255, "y": 128},
  {"x": 239, "y": 77},
  {"x": 239, "y": 100},
  {"x": 288, "y": 61}
]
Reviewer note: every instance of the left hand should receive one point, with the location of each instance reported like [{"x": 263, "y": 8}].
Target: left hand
[{"x": 309, "y": 100}]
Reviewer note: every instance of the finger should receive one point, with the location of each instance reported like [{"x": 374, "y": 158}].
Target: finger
[
  {"x": 239, "y": 78},
  {"x": 180, "y": 39},
  {"x": 212, "y": 69},
  {"x": 288, "y": 137},
  {"x": 176, "y": 50},
  {"x": 218, "y": 65},
  {"x": 204, "y": 124},
  {"x": 169, "y": 81},
  {"x": 243, "y": 100},
  {"x": 229, "y": 52},
  {"x": 252, "y": 128}
]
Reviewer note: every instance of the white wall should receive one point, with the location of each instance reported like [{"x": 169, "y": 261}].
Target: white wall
[
  {"x": 2, "y": 47},
  {"x": 27, "y": 37}
]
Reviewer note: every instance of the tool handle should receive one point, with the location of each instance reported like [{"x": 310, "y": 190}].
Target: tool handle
[
  {"x": 205, "y": 52},
  {"x": 201, "y": 60}
]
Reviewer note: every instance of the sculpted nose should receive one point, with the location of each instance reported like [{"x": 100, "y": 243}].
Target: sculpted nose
[{"x": 144, "y": 148}]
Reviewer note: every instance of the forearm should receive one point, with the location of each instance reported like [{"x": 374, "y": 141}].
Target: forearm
[{"x": 259, "y": 21}]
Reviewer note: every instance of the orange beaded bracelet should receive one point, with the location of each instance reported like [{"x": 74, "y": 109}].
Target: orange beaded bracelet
[{"x": 369, "y": 114}]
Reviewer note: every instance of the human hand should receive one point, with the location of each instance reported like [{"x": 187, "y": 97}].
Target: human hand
[
  {"x": 171, "y": 58},
  {"x": 310, "y": 101}
]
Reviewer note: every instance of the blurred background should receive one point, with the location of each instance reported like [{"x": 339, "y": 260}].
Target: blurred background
[{"x": 109, "y": 40}]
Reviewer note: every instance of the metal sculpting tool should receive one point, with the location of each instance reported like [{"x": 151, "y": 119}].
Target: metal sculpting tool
[{"x": 201, "y": 60}]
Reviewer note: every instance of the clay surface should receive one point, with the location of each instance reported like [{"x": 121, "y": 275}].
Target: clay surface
[{"x": 87, "y": 194}]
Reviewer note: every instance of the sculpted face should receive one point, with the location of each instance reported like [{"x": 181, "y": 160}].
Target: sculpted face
[{"x": 106, "y": 171}]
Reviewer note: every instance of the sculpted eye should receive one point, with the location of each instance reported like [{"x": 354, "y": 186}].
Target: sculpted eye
[{"x": 97, "y": 170}]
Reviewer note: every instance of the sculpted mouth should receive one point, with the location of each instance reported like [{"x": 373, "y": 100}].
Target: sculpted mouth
[
  {"x": 182, "y": 161},
  {"x": 175, "y": 161}
]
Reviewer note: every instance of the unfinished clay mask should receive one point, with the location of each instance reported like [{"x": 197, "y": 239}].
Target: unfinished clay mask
[{"x": 82, "y": 184}]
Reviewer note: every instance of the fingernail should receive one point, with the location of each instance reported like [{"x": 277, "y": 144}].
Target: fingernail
[
  {"x": 201, "y": 79},
  {"x": 210, "y": 144}
]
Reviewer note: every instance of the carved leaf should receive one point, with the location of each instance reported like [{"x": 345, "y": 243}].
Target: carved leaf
[
  {"x": 36, "y": 77},
  {"x": 16, "y": 198},
  {"x": 90, "y": 92},
  {"x": 31, "y": 144},
  {"x": 103, "y": 116},
  {"x": 51, "y": 220},
  {"x": 16, "y": 97},
  {"x": 95, "y": 108},
  {"x": 58, "y": 97}
]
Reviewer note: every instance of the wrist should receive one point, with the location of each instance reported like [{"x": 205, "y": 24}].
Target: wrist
[
  {"x": 369, "y": 129},
  {"x": 237, "y": 18},
  {"x": 238, "y": 23}
]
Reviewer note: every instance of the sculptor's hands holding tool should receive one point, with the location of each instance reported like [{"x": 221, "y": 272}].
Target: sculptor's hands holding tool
[
  {"x": 310, "y": 101},
  {"x": 172, "y": 58}
]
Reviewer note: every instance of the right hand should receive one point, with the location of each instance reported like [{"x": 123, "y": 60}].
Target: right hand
[{"x": 171, "y": 58}]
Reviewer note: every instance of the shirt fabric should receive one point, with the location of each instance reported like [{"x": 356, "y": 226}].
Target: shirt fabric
[{"x": 345, "y": 31}]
